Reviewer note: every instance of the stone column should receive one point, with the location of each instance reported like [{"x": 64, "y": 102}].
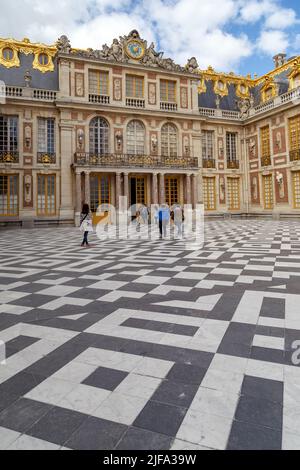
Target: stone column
[
  {"x": 126, "y": 187},
  {"x": 188, "y": 188},
  {"x": 78, "y": 201},
  {"x": 87, "y": 194},
  {"x": 66, "y": 177},
  {"x": 194, "y": 190},
  {"x": 154, "y": 189},
  {"x": 118, "y": 189},
  {"x": 162, "y": 195}
]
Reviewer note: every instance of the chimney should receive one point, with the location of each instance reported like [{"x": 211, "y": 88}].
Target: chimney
[{"x": 279, "y": 59}]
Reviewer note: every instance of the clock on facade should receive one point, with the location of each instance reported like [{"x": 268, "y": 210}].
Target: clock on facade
[{"x": 135, "y": 49}]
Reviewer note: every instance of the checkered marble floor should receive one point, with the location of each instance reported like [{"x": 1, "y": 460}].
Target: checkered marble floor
[{"x": 139, "y": 344}]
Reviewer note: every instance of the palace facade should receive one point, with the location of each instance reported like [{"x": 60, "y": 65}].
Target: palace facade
[{"x": 91, "y": 125}]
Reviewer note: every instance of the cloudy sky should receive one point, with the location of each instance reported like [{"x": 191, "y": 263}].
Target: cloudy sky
[{"x": 231, "y": 35}]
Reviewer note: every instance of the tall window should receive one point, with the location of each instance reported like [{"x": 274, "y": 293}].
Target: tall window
[
  {"x": 296, "y": 188},
  {"x": 8, "y": 134},
  {"x": 46, "y": 195},
  {"x": 46, "y": 135},
  {"x": 135, "y": 138},
  {"x": 265, "y": 141},
  {"x": 169, "y": 144},
  {"x": 98, "y": 82},
  {"x": 231, "y": 146},
  {"x": 233, "y": 187},
  {"x": 9, "y": 194},
  {"x": 268, "y": 192},
  {"x": 171, "y": 190},
  {"x": 100, "y": 190},
  {"x": 209, "y": 193},
  {"x": 294, "y": 131},
  {"x": 207, "y": 144},
  {"x": 134, "y": 86},
  {"x": 99, "y": 136},
  {"x": 168, "y": 91}
]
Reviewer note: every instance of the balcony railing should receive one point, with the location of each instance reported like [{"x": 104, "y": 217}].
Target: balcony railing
[
  {"x": 30, "y": 93},
  {"x": 294, "y": 155},
  {"x": 164, "y": 106},
  {"x": 265, "y": 161},
  {"x": 9, "y": 157},
  {"x": 135, "y": 102},
  {"x": 136, "y": 161},
  {"x": 209, "y": 163},
  {"x": 233, "y": 164},
  {"x": 99, "y": 99},
  {"x": 46, "y": 158}
]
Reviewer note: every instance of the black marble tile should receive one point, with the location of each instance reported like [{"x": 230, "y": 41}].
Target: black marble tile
[
  {"x": 141, "y": 439},
  {"x": 105, "y": 378},
  {"x": 160, "y": 418},
  {"x": 22, "y": 414},
  {"x": 96, "y": 434}
]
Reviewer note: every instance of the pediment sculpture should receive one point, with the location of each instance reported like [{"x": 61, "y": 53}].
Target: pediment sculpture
[{"x": 129, "y": 48}]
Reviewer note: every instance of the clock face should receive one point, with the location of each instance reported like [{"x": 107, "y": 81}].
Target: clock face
[{"x": 135, "y": 49}]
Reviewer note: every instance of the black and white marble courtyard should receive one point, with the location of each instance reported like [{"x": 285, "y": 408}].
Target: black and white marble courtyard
[{"x": 137, "y": 344}]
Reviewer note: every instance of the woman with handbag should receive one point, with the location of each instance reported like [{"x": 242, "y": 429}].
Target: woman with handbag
[{"x": 85, "y": 223}]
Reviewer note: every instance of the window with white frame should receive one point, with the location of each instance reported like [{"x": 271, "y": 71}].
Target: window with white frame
[
  {"x": 98, "y": 82},
  {"x": 8, "y": 133},
  {"x": 231, "y": 146},
  {"x": 207, "y": 145},
  {"x": 46, "y": 135},
  {"x": 169, "y": 141},
  {"x": 99, "y": 136},
  {"x": 135, "y": 138}
]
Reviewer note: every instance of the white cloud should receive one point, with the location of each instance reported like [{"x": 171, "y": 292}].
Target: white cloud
[
  {"x": 182, "y": 28},
  {"x": 281, "y": 19},
  {"x": 273, "y": 42}
]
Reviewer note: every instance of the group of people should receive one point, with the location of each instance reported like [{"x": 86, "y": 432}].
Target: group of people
[{"x": 163, "y": 217}]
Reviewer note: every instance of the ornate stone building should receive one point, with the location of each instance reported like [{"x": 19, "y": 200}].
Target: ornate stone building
[{"x": 90, "y": 125}]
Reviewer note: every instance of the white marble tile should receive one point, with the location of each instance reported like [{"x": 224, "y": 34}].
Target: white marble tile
[
  {"x": 120, "y": 408},
  {"x": 138, "y": 386},
  {"x": 205, "y": 429},
  {"x": 25, "y": 442},
  {"x": 215, "y": 402},
  {"x": 153, "y": 367},
  {"x": 51, "y": 390},
  {"x": 268, "y": 342},
  {"x": 84, "y": 399},
  {"x": 7, "y": 437}
]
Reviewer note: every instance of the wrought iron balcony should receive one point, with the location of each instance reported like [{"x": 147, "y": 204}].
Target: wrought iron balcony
[
  {"x": 233, "y": 164},
  {"x": 209, "y": 163},
  {"x": 9, "y": 157},
  {"x": 266, "y": 161},
  {"x": 294, "y": 155},
  {"x": 135, "y": 161},
  {"x": 46, "y": 158}
]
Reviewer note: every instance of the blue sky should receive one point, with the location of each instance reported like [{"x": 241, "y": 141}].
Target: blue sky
[{"x": 231, "y": 35}]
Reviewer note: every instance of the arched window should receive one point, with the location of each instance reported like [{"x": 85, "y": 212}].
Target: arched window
[
  {"x": 136, "y": 138},
  {"x": 169, "y": 141},
  {"x": 99, "y": 136}
]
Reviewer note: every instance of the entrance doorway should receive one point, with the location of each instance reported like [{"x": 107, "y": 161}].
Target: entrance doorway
[
  {"x": 172, "y": 190},
  {"x": 137, "y": 190},
  {"x": 100, "y": 194}
]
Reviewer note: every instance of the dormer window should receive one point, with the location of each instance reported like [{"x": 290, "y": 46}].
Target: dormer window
[
  {"x": 43, "y": 59},
  {"x": 8, "y": 54}
]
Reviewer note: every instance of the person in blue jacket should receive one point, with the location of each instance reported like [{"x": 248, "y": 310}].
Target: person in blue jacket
[{"x": 163, "y": 219}]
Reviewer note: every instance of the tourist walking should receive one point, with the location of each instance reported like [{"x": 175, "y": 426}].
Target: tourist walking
[
  {"x": 85, "y": 223},
  {"x": 163, "y": 219},
  {"x": 178, "y": 219}
]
